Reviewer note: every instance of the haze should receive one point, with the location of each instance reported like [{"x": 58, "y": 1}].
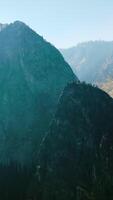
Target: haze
[{"x": 63, "y": 22}]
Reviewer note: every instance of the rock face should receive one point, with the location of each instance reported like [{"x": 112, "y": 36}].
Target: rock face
[
  {"x": 93, "y": 63},
  {"x": 32, "y": 76},
  {"x": 76, "y": 156}
]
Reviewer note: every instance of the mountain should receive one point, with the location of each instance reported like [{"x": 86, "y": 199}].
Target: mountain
[
  {"x": 76, "y": 156},
  {"x": 32, "y": 76},
  {"x": 2, "y": 26},
  {"x": 93, "y": 63}
]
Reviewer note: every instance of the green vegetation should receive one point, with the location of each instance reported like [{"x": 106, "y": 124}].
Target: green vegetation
[
  {"x": 32, "y": 75},
  {"x": 75, "y": 159}
]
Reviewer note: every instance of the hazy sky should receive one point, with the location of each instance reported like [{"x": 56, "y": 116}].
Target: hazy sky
[{"x": 63, "y": 22}]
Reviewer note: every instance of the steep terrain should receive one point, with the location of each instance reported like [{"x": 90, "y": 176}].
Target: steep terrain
[
  {"x": 76, "y": 156},
  {"x": 32, "y": 76},
  {"x": 93, "y": 63}
]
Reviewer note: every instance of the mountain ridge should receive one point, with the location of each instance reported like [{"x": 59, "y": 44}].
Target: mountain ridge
[
  {"x": 93, "y": 63},
  {"x": 75, "y": 159},
  {"x": 32, "y": 76}
]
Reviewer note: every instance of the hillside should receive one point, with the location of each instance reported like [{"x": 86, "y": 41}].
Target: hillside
[
  {"x": 32, "y": 76},
  {"x": 75, "y": 157}
]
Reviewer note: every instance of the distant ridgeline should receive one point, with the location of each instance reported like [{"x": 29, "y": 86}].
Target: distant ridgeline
[{"x": 93, "y": 63}]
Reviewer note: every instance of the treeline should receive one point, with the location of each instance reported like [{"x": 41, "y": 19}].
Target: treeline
[{"x": 14, "y": 181}]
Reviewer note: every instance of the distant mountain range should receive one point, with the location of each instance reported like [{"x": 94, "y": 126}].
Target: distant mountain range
[{"x": 93, "y": 63}]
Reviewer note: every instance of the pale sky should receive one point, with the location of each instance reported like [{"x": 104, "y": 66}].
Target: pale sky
[{"x": 64, "y": 23}]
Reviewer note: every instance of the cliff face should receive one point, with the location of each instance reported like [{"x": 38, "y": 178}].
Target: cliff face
[
  {"x": 75, "y": 158},
  {"x": 32, "y": 76}
]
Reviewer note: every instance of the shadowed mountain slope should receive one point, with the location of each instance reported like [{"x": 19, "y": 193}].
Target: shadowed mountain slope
[
  {"x": 32, "y": 76},
  {"x": 75, "y": 158}
]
